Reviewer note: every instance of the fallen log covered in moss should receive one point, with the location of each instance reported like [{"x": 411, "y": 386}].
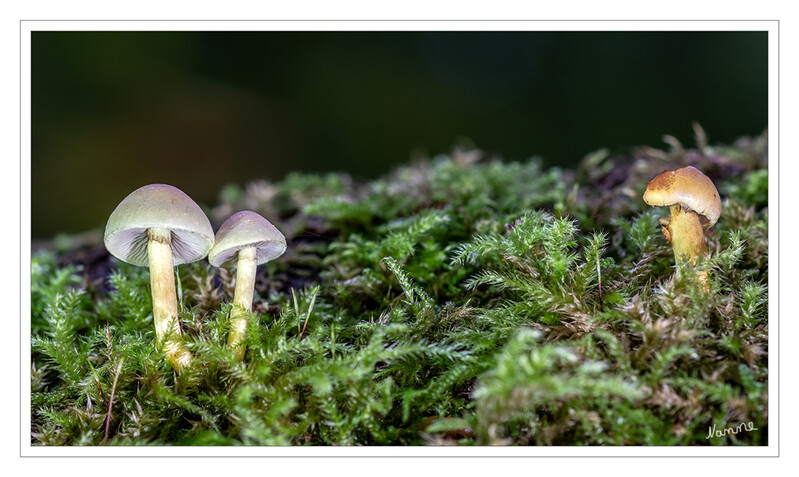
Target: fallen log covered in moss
[{"x": 462, "y": 300}]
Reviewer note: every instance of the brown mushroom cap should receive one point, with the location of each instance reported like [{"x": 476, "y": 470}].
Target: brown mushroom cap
[
  {"x": 689, "y": 188},
  {"x": 245, "y": 229},
  {"x": 158, "y": 206}
]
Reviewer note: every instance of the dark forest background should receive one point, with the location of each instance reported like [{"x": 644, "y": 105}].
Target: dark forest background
[{"x": 112, "y": 111}]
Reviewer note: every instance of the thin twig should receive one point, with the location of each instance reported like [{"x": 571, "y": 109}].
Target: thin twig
[{"x": 111, "y": 400}]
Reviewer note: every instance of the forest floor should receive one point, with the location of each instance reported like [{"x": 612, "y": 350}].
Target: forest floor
[{"x": 456, "y": 301}]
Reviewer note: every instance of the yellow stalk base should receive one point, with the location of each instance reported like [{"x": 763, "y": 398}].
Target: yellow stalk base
[
  {"x": 165, "y": 302},
  {"x": 687, "y": 238},
  {"x": 242, "y": 300}
]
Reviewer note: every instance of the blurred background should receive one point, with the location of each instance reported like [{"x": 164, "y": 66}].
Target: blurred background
[{"x": 112, "y": 111}]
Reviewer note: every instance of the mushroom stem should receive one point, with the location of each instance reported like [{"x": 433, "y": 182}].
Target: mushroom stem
[
  {"x": 686, "y": 235},
  {"x": 165, "y": 302},
  {"x": 242, "y": 299}
]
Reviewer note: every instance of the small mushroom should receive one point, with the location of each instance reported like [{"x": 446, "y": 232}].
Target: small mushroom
[
  {"x": 695, "y": 206},
  {"x": 248, "y": 240},
  {"x": 159, "y": 226}
]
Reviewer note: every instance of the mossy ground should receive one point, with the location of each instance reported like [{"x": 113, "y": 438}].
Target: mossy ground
[{"x": 460, "y": 300}]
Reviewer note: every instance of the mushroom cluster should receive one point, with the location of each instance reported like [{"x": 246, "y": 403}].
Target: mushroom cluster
[
  {"x": 694, "y": 204},
  {"x": 159, "y": 226}
]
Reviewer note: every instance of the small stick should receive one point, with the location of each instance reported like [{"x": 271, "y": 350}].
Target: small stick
[{"x": 111, "y": 399}]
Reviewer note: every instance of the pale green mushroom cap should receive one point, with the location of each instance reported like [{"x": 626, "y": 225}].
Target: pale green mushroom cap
[
  {"x": 245, "y": 229},
  {"x": 158, "y": 206}
]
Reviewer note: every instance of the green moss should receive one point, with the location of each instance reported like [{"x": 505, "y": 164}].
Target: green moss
[{"x": 457, "y": 301}]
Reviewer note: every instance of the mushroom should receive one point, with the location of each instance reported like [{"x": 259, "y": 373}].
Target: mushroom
[
  {"x": 694, "y": 204},
  {"x": 248, "y": 240},
  {"x": 159, "y": 226}
]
